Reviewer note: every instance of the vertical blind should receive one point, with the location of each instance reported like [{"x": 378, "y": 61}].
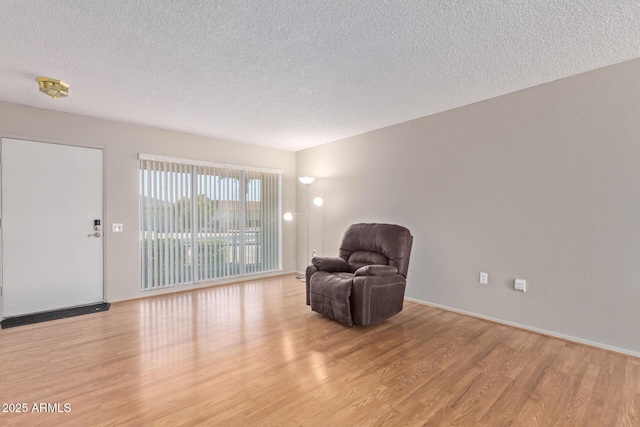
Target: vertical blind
[{"x": 206, "y": 222}]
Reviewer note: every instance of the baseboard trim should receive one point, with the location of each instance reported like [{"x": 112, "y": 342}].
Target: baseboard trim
[
  {"x": 29, "y": 319},
  {"x": 529, "y": 328}
]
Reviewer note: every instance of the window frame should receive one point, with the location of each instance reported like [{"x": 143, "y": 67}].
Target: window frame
[{"x": 197, "y": 172}]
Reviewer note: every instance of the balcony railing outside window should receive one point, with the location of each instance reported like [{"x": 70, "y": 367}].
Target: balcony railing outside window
[{"x": 206, "y": 222}]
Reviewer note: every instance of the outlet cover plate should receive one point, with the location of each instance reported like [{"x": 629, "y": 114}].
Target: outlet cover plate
[
  {"x": 117, "y": 228},
  {"x": 520, "y": 285},
  {"x": 484, "y": 278}
]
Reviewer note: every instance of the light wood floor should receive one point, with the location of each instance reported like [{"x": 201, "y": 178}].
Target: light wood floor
[{"x": 254, "y": 354}]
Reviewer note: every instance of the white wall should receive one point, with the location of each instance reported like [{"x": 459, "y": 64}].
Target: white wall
[
  {"x": 541, "y": 184},
  {"x": 122, "y": 143}
]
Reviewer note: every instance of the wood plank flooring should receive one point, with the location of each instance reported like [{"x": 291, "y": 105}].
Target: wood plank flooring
[{"x": 253, "y": 354}]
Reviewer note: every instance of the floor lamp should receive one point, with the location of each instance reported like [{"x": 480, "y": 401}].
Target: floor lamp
[{"x": 307, "y": 181}]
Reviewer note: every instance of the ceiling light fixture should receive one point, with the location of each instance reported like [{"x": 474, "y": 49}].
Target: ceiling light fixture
[{"x": 53, "y": 88}]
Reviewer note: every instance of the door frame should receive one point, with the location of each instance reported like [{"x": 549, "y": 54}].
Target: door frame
[{"x": 4, "y": 135}]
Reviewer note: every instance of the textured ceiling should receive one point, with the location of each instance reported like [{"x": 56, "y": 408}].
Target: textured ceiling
[{"x": 294, "y": 74}]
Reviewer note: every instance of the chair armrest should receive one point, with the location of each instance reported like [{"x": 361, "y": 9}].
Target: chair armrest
[
  {"x": 330, "y": 264},
  {"x": 308, "y": 273},
  {"x": 375, "y": 298},
  {"x": 376, "y": 270}
]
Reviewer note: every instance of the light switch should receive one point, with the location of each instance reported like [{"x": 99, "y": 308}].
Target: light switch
[{"x": 117, "y": 228}]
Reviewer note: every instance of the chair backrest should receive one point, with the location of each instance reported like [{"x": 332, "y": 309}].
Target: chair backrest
[{"x": 386, "y": 244}]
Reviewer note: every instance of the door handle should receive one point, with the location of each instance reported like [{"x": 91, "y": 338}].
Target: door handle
[{"x": 96, "y": 234}]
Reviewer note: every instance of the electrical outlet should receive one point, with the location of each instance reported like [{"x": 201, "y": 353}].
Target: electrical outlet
[
  {"x": 484, "y": 278},
  {"x": 116, "y": 228},
  {"x": 520, "y": 285}
]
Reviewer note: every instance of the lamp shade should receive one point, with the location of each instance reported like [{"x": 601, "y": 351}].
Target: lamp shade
[
  {"x": 307, "y": 180},
  {"x": 318, "y": 201},
  {"x": 288, "y": 216}
]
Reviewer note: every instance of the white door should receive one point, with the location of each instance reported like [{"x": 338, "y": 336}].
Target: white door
[{"x": 51, "y": 196}]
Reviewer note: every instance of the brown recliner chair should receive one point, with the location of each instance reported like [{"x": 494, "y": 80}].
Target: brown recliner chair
[{"x": 365, "y": 283}]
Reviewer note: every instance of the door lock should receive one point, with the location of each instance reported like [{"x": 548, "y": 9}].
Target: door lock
[{"x": 97, "y": 228}]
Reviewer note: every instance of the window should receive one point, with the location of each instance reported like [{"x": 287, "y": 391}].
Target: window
[{"x": 205, "y": 222}]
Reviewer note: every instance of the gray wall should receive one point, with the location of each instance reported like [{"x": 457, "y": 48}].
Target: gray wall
[
  {"x": 122, "y": 143},
  {"x": 541, "y": 184}
]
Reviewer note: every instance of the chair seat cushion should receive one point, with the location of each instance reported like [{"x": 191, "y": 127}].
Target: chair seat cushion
[{"x": 330, "y": 295}]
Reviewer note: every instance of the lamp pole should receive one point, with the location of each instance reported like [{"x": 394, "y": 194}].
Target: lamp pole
[
  {"x": 306, "y": 215},
  {"x": 307, "y": 181}
]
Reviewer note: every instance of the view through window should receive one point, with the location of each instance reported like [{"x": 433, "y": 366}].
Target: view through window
[{"x": 205, "y": 222}]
